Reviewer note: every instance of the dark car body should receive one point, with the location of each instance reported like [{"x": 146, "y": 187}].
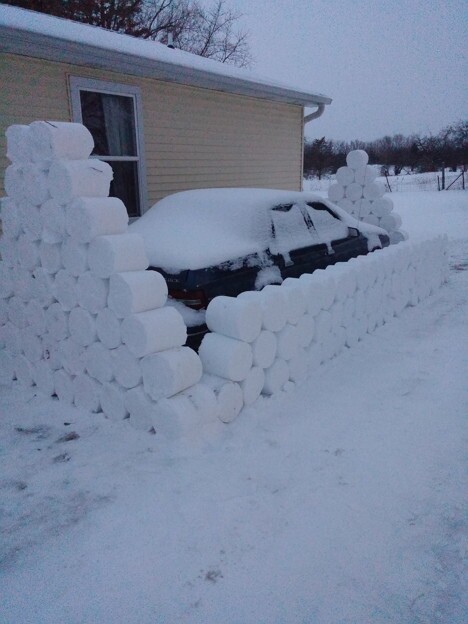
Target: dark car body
[{"x": 195, "y": 287}]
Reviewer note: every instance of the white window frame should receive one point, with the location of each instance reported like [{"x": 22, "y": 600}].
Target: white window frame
[{"x": 78, "y": 84}]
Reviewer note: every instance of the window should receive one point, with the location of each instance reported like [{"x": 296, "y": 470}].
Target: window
[
  {"x": 327, "y": 224},
  {"x": 112, "y": 114}
]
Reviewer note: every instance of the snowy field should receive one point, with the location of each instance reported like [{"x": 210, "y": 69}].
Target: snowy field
[
  {"x": 405, "y": 182},
  {"x": 341, "y": 502}
]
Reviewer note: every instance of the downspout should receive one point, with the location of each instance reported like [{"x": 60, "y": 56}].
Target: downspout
[{"x": 315, "y": 115}]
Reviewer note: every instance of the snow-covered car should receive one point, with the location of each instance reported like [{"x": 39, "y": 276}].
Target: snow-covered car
[{"x": 211, "y": 242}]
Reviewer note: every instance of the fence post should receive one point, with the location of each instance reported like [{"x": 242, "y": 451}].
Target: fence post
[
  {"x": 438, "y": 183},
  {"x": 443, "y": 176}
]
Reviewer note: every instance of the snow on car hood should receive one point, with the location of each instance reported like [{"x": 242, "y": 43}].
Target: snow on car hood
[{"x": 206, "y": 227}]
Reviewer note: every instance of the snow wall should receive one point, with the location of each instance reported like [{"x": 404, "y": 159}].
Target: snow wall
[
  {"x": 357, "y": 191},
  {"x": 82, "y": 318},
  {"x": 262, "y": 341}
]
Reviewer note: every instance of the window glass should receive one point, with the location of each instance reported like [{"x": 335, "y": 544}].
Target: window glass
[
  {"x": 125, "y": 185},
  {"x": 328, "y": 226},
  {"x": 290, "y": 230},
  {"x": 111, "y": 120}
]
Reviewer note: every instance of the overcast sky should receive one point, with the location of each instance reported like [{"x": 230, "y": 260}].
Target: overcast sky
[{"x": 390, "y": 66}]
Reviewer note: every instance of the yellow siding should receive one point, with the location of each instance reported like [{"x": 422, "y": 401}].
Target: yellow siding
[{"x": 194, "y": 138}]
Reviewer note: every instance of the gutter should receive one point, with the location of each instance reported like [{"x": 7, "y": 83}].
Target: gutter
[{"x": 315, "y": 115}]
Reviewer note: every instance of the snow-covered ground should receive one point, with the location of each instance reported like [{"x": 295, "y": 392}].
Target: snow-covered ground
[
  {"x": 404, "y": 182},
  {"x": 339, "y": 502}
]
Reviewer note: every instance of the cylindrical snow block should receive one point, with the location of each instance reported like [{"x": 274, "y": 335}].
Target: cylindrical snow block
[
  {"x": 65, "y": 290},
  {"x": 18, "y": 144},
  {"x": 6, "y": 281},
  {"x": 53, "y": 217},
  {"x": 298, "y": 367},
  {"x": 82, "y": 326},
  {"x": 98, "y": 362},
  {"x": 295, "y": 298},
  {"x": 79, "y": 178},
  {"x": 288, "y": 342},
  {"x": 31, "y": 345},
  {"x": 346, "y": 204},
  {"x": 252, "y": 385},
  {"x": 43, "y": 376},
  {"x": 92, "y": 292},
  {"x": 336, "y": 192},
  {"x": 24, "y": 370},
  {"x": 31, "y": 221},
  {"x": 374, "y": 190},
  {"x": 153, "y": 331},
  {"x": 112, "y": 400},
  {"x": 365, "y": 175},
  {"x": 74, "y": 256},
  {"x": 357, "y": 159},
  {"x": 362, "y": 208},
  {"x": 36, "y": 186},
  {"x": 28, "y": 253},
  {"x": 275, "y": 377},
  {"x": 345, "y": 176},
  {"x": 53, "y": 140},
  {"x": 87, "y": 393},
  {"x": 9, "y": 215},
  {"x": 274, "y": 307},
  {"x": 14, "y": 182},
  {"x": 264, "y": 349},
  {"x": 322, "y": 290},
  {"x": 57, "y": 321},
  {"x": 127, "y": 368},
  {"x": 7, "y": 368},
  {"x": 50, "y": 257},
  {"x": 323, "y": 325},
  {"x": 225, "y": 357},
  {"x": 89, "y": 217},
  {"x": 12, "y": 338},
  {"x": 204, "y": 400},
  {"x": 116, "y": 253},
  {"x": 235, "y": 317},
  {"x": 108, "y": 329},
  {"x": 141, "y": 408},
  {"x": 229, "y": 396},
  {"x": 306, "y": 330},
  {"x": 17, "y": 312},
  {"x": 72, "y": 356},
  {"x": 43, "y": 286},
  {"x": 170, "y": 372},
  {"x": 371, "y": 219},
  {"x": 136, "y": 291},
  {"x": 9, "y": 251},
  {"x": 50, "y": 352},
  {"x": 391, "y": 222},
  {"x": 354, "y": 191},
  {"x": 382, "y": 206},
  {"x": 64, "y": 387}
]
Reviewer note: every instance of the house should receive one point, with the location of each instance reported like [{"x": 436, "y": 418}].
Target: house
[{"x": 166, "y": 120}]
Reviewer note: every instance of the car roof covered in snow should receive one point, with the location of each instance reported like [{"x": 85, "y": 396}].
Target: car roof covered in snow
[
  {"x": 30, "y": 33},
  {"x": 206, "y": 227}
]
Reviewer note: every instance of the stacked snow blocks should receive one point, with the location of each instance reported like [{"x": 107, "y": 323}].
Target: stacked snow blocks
[
  {"x": 80, "y": 316},
  {"x": 262, "y": 341},
  {"x": 357, "y": 191}
]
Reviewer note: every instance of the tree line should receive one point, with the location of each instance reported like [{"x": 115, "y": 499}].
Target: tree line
[
  {"x": 211, "y": 31},
  {"x": 396, "y": 154}
]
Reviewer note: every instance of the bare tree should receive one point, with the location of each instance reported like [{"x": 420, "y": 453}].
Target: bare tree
[{"x": 210, "y": 32}]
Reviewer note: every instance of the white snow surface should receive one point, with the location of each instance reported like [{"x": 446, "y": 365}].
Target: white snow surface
[
  {"x": 335, "y": 503},
  {"x": 206, "y": 227}
]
